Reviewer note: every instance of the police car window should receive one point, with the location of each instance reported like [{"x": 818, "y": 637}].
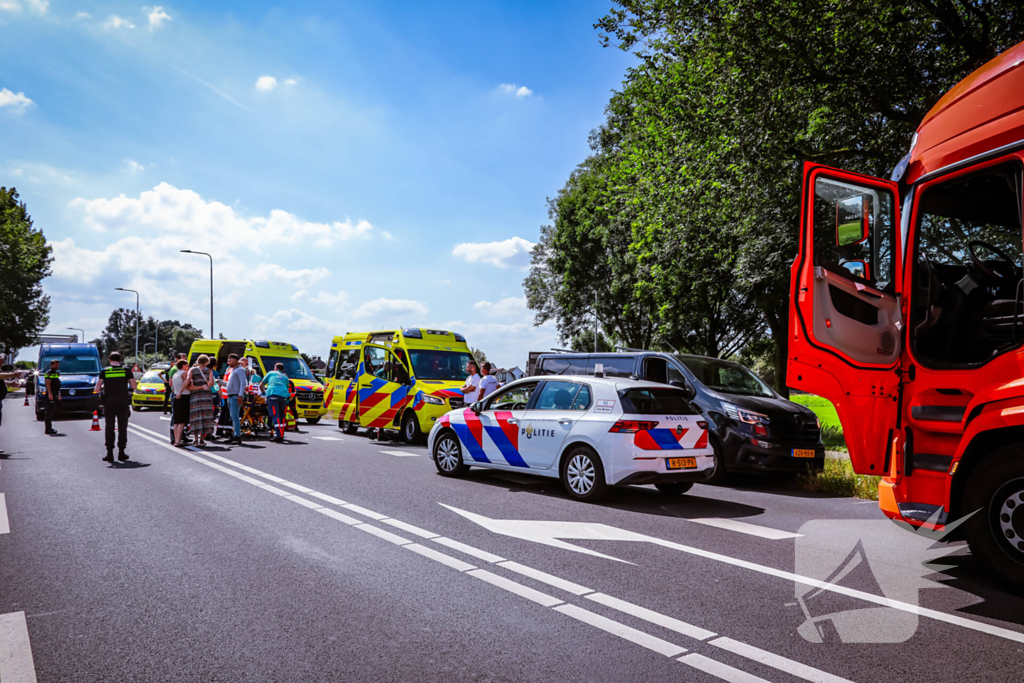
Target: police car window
[
  {"x": 346, "y": 364},
  {"x": 73, "y": 365},
  {"x": 583, "y": 398},
  {"x": 151, "y": 378},
  {"x": 614, "y": 366},
  {"x": 557, "y": 396},
  {"x": 655, "y": 401},
  {"x": 512, "y": 398},
  {"x": 559, "y": 365}
]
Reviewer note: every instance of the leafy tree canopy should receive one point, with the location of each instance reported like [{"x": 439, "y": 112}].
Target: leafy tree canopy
[{"x": 25, "y": 259}]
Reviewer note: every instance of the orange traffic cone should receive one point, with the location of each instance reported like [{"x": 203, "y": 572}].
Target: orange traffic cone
[
  {"x": 95, "y": 422},
  {"x": 26, "y": 398}
]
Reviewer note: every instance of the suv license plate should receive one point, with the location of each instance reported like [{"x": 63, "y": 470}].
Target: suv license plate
[
  {"x": 803, "y": 452},
  {"x": 681, "y": 463}
]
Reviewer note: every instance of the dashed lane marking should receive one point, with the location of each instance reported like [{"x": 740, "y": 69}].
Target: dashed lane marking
[
  {"x": 402, "y": 454},
  {"x": 328, "y": 438},
  {"x": 5, "y": 525},
  {"x": 468, "y": 549},
  {"x": 746, "y": 528},
  {"x": 16, "y": 665},
  {"x": 705, "y": 664}
]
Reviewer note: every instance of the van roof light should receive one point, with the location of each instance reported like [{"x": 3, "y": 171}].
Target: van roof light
[
  {"x": 412, "y": 333},
  {"x": 261, "y": 344}
]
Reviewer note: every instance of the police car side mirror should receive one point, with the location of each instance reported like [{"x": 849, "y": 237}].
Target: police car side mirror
[{"x": 477, "y": 407}]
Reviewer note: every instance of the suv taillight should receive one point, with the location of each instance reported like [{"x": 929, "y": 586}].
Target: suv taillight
[{"x": 632, "y": 426}]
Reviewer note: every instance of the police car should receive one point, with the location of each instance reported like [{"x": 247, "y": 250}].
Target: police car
[{"x": 590, "y": 432}]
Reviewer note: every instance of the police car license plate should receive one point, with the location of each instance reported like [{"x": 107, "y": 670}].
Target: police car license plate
[
  {"x": 803, "y": 452},
  {"x": 681, "y": 463}
]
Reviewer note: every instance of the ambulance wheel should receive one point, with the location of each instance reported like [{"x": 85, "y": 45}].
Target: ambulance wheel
[
  {"x": 674, "y": 488},
  {"x": 995, "y": 532},
  {"x": 312, "y": 420},
  {"x": 448, "y": 456},
  {"x": 410, "y": 428},
  {"x": 348, "y": 427},
  {"x": 583, "y": 475}
]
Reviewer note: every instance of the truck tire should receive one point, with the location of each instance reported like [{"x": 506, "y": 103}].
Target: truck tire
[{"x": 995, "y": 533}]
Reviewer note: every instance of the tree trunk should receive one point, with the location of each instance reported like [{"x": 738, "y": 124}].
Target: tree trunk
[{"x": 780, "y": 338}]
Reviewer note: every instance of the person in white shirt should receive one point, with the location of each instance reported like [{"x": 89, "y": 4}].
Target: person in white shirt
[
  {"x": 488, "y": 382},
  {"x": 472, "y": 386}
]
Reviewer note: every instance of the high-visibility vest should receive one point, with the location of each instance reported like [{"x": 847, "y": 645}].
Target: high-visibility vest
[
  {"x": 291, "y": 424},
  {"x": 224, "y": 387}
]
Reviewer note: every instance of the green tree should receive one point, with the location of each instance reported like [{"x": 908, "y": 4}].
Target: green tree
[
  {"x": 119, "y": 335},
  {"x": 25, "y": 259},
  {"x": 479, "y": 355}
]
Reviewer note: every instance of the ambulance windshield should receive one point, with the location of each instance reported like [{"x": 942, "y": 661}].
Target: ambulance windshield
[
  {"x": 295, "y": 368},
  {"x": 444, "y": 365}
]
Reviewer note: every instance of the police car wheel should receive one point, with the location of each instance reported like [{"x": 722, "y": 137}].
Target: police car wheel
[
  {"x": 583, "y": 475},
  {"x": 448, "y": 456},
  {"x": 995, "y": 493},
  {"x": 674, "y": 488},
  {"x": 410, "y": 428}
]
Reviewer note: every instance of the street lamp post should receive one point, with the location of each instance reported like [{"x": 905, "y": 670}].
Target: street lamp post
[
  {"x": 144, "y": 353},
  {"x": 189, "y": 251},
  {"x": 122, "y": 289},
  {"x": 76, "y": 329}
]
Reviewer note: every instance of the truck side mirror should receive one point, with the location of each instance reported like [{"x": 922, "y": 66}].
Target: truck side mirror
[{"x": 853, "y": 220}]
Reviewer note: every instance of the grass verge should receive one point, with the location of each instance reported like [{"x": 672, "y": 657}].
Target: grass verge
[{"x": 839, "y": 479}]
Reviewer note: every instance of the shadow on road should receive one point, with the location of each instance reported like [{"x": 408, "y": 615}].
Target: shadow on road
[
  {"x": 629, "y": 498},
  {"x": 997, "y": 601},
  {"x": 128, "y": 465}
]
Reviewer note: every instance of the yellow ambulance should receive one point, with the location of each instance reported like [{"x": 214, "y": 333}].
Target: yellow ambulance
[
  {"x": 397, "y": 380},
  {"x": 263, "y": 356}
]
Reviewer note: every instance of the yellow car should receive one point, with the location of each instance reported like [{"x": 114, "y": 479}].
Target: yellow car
[
  {"x": 397, "y": 380},
  {"x": 263, "y": 356},
  {"x": 149, "y": 391}
]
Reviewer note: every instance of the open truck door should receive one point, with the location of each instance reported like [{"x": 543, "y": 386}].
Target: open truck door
[{"x": 845, "y": 321}]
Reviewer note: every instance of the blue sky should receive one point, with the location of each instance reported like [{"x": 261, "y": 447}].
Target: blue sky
[{"x": 351, "y": 166}]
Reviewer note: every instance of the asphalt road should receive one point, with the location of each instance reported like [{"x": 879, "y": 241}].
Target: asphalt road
[{"x": 332, "y": 557}]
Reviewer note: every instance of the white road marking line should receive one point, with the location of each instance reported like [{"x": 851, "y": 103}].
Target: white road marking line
[
  {"x": 544, "y": 577},
  {"x": 380, "y": 533},
  {"x": 446, "y": 560},
  {"x": 166, "y": 419},
  {"x": 401, "y": 454},
  {"x": 330, "y": 499},
  {"x": 364, "y": 512},
  {"x": 338, "y": 516},
  {"x": 16, "y": 665},
  {"x": 5, "y": 525},
  {"x": 621, "y": 630},
  {"x": 719, "y": 670},
  {"x": 746, "y": 528},
  {"x": 654, "y": 617},
  {"x": 328, "y": 438},
  {"x": 808, "y": 673},
  {"x": 274, "y": 489},
  {"x": 303, "y": 502},
  {"x": 469, "y": 550},
  {"x": 422, "y": 533},
  {"x": 517, "y": 588},
  {"x": 297, "y": 487},
  {"x": 251, "y": 470}
]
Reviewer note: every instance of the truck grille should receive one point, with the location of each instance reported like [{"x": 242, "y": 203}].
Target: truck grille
[
  {"x": 795, "y": 431},
  {"x": 456, "y": 403},
  {"x": 309, "y": 396}
]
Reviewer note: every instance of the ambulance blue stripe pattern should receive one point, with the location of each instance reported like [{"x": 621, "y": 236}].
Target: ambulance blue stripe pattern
[
  {"x": 399, "y": 395},
  {"x": 508, "y": 451},
  {"x": 469, "y": 441},
  {"x": 371, "y": 390}
]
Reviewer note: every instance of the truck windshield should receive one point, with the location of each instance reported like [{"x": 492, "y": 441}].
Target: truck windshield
[
  {"x": 72, "y": 365},
  {"x": 295, "y": 368},
  {"x": 726, "y": 377},
  {"x": 445, "y": 365}
]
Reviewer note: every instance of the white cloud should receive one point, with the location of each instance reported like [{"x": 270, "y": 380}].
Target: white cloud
[
  {"x": 506, "y": 345},
  {"x": 509, "y": 309},
  {"x": 168, "y": 210},
  {"x": 39, "y": 6},
  {"x": 291, "y": 81},
  {"x": 337, "y": 301},
  {"x": 301, "y": 294},
  {"x": 389, "y": 309},
  {"x": 16, "y": 102},
  {"x": 387, "y": 235},
  {"x": 511, "y": 253},
  {"x": 133, "y": 166},
  {"x": 83, "y": 15},
  {"x": 516, "y": 90},
  {"x": 116, "y": 22},
  {"x": 271, "y": 272},
  {"x": 157, "y": 16},
  {"x": 294, "y": 320},
  {"x": 266, "y": 83},
  {"x": 10, "y": 6}
]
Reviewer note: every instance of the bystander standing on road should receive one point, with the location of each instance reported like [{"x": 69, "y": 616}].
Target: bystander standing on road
[
  {"x": 276, "y": 386},
  {"x": 488, "y": 382},
  {"x": 51, "y": 395},
  {"x": 238, "y": 380},
  {"x": 182, "y": 408},
  {"x": 215, "y": 385},
  {"x": 201, "y": 412},
  {"x": 114, "y": 386},
  {"x": 6, "y": 372},
  {"x": 168, "y": 396},
  {"x": 471, "y": 388}
]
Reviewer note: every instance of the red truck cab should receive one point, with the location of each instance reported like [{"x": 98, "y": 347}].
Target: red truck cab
[{"x": 907, "y": 312}]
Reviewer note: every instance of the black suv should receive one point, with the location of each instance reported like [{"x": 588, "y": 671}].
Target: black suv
[{"x": 753, "y": 429}]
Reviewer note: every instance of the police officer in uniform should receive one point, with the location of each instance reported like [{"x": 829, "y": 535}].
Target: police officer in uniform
[
  {"x": 51, "y": 394},
  {"x": 115, "y": 382}
]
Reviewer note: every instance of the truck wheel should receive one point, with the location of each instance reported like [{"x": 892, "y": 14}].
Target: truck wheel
[
  {"x": 674, "y": 488},
  {"x": 583, "y": 475},
  {"x": 410, "y": 428},
  {"x": 995, "y": 532}
]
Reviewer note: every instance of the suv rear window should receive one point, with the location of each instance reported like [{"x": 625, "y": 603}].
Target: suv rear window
[{"x": 655, "y": 401}]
